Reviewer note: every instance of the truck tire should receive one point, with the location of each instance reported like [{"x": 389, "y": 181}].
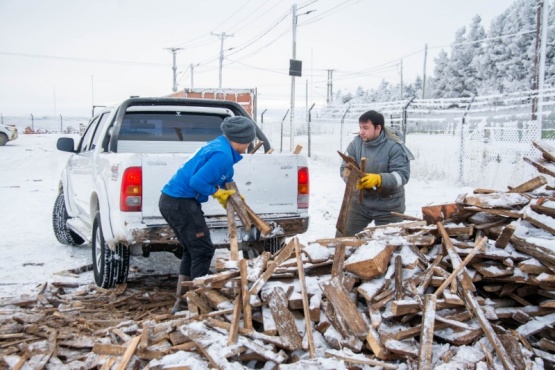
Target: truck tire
[
  {"x": 272, "y": 245},
  {"x": 110, "y": 267},
  {"x": 59, "y": 223},
  {"x": 3, "y": 139}
]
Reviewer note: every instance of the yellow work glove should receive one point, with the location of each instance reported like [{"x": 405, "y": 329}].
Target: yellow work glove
[
  {"x": 221, "y": 196},
  {"x": 369, "y": 181}
]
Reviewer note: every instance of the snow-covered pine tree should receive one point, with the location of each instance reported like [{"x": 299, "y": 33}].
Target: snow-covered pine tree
[{"x": 440, "y": 80}]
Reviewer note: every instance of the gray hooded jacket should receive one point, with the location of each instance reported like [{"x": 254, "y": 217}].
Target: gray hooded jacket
[{"x": 391, "y": 160}]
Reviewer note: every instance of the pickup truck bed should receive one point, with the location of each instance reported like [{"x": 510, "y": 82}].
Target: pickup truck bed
[{"x": 109, "y": 190}]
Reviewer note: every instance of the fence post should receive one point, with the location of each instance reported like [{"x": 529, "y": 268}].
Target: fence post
[
  {"x": 405, "y": 119},
  {"x": 32, "y": 123},
  {"x": 281, "y": 134},
  {"x": 308, "y": 127},
  {"x": 341, "y": 127},
  {"x": 262, "y": 119},
  {"x": 61, "y": 124},
  {"x": 461, "y": 152}
]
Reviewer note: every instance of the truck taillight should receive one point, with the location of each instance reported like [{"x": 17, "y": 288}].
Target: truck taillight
[
  {"x": 303, "y": 191},
  {"x": 131, "y": 196}
]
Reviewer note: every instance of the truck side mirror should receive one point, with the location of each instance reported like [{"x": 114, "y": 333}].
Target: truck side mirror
[{"x": 66, "y": 144}]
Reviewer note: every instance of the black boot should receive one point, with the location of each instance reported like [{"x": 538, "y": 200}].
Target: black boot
[{"x": 180, "y": 302}]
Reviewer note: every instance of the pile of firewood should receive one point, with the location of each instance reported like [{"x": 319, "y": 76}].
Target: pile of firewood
[{"x": 470, "y": 285}]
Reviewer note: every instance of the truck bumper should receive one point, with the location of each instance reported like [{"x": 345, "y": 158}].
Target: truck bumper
[{"x": 160, "y": 237}]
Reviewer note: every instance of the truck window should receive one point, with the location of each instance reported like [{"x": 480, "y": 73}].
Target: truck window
[
  {"x": 100, "y": 127},
  {"x": 85, "y": 144},
  {"x": 170, "y": 126}
]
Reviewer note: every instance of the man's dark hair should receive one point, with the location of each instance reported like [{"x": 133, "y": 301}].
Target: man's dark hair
[{"x": 372, "y": 116}]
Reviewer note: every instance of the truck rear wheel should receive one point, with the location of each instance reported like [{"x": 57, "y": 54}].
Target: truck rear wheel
[
  {"x": 110, "y": 266},
  {"x": 59, "y": 223},
  {"x": 272, "y": 245}
]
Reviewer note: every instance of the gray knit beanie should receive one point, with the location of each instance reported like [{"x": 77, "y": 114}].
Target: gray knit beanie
[{"x": 239, "y": 129}]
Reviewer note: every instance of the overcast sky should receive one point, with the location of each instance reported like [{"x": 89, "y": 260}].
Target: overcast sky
[{"x": 63, "y": 56}]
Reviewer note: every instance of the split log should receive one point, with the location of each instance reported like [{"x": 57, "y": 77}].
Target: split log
[
  {"x": 344, "y": 307},
  {"x": 238, "y": 206},
  {"x": 129, "y": 352},
  {"x": 234, "y": 327},
  {"x": 548, "y": 211},
  {"x": 284, "y": 254},
  {"x": 455, "y": 259},
  {"x": 505, "y": 236},
  {"x": 540, "y": 221},
  {"x": 474, "y": 307},
  {"x": 362, "y": 168},
  {"x": 427, "y": 333},
  {"x": 247, "y": 312},
  {"x": 305, "y": 300},
  {"x": 284, "y": 319},
  {"x": 357, "y": 360},
  {"x": 542, "y": 165},
  {"x": 496, "y": 200},
  {"x": 530, "y": 185},
  {"x": 256, "y": 147},
  {"x": 548, "y": 152},
  {"x": 350, "y": 188},
  {"x": 374, "y": 264},
  {"x": 441, "y": 212},
  {"x": 461, "y": 266},
  {"x": 232, "y": 231}
]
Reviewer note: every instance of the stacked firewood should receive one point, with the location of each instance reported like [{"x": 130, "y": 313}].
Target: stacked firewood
[{"x": 470, "y": 285}]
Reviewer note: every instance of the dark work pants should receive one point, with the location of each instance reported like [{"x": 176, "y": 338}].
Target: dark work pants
[
  {"x": 186, "y": 218},
  {"x": 360, "y": 216}
]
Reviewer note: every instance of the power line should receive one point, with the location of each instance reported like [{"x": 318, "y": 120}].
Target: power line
[{"x": 74, "y": 59}]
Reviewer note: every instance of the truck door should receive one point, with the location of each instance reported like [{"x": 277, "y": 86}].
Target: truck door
[{"x": 81, "y": 176}]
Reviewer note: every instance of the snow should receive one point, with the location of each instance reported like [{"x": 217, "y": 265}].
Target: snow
[{"x": 31, "y": 255}]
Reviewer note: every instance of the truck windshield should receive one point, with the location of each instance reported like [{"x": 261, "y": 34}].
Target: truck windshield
[{"x": 170, "y": 126}]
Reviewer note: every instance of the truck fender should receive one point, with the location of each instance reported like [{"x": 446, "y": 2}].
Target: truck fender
[
  {"x": 103, "y": 208},
  {"x": 64, "y": 186}
]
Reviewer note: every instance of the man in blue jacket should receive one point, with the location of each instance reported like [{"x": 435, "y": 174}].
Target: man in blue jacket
[
  {"x": 386, "y": 173},
  {"x": 204, "y": 175}
]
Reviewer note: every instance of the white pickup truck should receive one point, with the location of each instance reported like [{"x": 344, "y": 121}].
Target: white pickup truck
[
  {"x": 110, "y": 187},
  {"x": 7, "y": 133}
]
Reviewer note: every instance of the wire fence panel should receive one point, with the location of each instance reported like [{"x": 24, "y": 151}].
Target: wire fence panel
[{"x": 476, "y": 142}]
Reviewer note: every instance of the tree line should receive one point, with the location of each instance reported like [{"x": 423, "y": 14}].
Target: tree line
[{"x": 499, "y": 61}]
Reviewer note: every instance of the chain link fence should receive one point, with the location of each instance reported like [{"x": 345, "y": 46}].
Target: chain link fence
[{"x": 475, "y": 141}]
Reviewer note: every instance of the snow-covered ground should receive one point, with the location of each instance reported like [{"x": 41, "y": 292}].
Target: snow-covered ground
[{"x": 31, "y": 255}]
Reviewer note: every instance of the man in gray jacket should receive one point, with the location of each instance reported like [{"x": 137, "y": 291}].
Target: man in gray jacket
[{"x": 387, "y": 171}]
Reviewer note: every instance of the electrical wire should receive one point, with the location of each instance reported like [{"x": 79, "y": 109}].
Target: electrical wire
[{"x": 74, "y": 59}]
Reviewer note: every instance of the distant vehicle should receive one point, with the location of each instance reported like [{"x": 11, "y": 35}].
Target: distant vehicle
[
  {"x": 7, "y": 133},
  {"x": 110, "y": 187}
]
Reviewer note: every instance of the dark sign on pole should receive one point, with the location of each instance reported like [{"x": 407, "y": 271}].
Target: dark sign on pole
[{"x": 295, "y": 67}]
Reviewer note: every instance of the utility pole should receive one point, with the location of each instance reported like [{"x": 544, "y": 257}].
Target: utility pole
[
  {"x": 294, "y": 55},
  {"x": 329, "y": 93},
  {"x": 424, "y": 73},
  {"x": 222, "y": 36},
  {"x": 536, "y": 60},
  {"x": 192, "y": 73},
  {"x": 174, "y": 68},
  {"x": 545, "y": 25},
  {"x": 92, "y": 95},
  {"x": 401, "y": 85},
  {"x": 295, "y": 69}
]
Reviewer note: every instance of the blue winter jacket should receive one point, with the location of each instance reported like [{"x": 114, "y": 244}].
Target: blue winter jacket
[{"x": 209, "y": 168}]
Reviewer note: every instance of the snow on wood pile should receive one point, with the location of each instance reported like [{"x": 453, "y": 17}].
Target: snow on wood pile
[{"x": 472, "y": 285}]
